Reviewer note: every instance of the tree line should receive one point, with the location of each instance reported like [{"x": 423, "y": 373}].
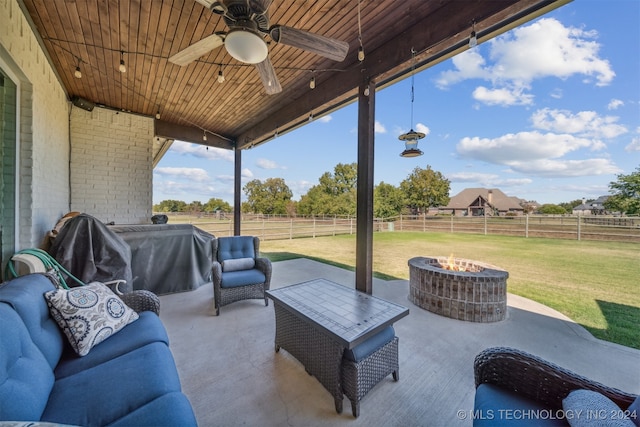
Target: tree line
[{"x": 335, "y": 194}]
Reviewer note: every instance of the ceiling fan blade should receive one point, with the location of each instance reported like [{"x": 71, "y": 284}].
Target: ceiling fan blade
[
  {"x": 259, "y": 6},
  {"x": 196, "y": 50},
  {"x": 268, "y": 77},
  {"x": 321, "y": 45}
]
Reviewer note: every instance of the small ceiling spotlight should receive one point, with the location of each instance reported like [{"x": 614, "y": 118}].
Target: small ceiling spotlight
[
  {"x": 220, "y": 76},
  {"x": 77, "y": 73},
  {"x": 473, "y": 39},
  {"x": 158, "y": 115},
  {"x": 204, "y": 135},
  {"x": 122, "y": 68},
  {"x": 312, "y": 83}
]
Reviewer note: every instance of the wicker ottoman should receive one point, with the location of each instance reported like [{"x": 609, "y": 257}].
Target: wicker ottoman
[{"x": 367, "y": 364}]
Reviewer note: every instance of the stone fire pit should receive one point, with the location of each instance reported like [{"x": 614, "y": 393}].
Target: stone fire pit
[{"x": 477, "y": 293}]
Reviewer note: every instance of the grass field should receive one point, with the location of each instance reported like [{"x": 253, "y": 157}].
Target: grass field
[{"x": 596, "y": 284}]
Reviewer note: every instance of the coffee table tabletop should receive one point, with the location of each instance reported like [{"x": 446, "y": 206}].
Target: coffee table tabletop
[{"x": 347, "y": 315}]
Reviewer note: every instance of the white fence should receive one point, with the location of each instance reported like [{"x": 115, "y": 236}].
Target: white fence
[{"x": 269, "y": 227}]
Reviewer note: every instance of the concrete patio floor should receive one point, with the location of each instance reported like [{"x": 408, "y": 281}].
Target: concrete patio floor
[{"x": 232, "y": 375}]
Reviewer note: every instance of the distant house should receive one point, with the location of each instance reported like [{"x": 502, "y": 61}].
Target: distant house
[
  {"x": 595, "y": 207},
  {"x": 481, "y": 201}
]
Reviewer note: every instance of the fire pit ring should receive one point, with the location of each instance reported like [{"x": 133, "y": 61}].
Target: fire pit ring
[{"x": 476, "y": 293}]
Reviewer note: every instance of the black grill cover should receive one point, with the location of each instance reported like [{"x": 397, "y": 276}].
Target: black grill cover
[{"x": 91, "y": 252}]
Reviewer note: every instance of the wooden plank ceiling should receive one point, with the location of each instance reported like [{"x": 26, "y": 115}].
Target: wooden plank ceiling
[{"x": 95, "y": 34}]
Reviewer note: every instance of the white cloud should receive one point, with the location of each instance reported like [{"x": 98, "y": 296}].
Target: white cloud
[
  {"x": 614, "y": 104},
  {"x": 523, "y": 146},
  {"x": 201, "y": 151},
  {"x": 488, "y": 180},
  {"x": 379, "y": 127},
  {"x": 191, "y": 174},
  {"x": 502, "y": 96},
  {"x": 634, "y": 145},
  {"x": 566, "y": 168},
  {"x": 423, "y": 128},
  {"x": 325, "y": 119},
  {"x": 545, "y": 48},
  {"x": 268, "y": 164},
  {"x": 584, "y": 123},
  {"x": 246, "y": 173}
]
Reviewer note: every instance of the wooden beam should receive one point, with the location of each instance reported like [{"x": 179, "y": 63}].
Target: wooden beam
[
  {"x": 190, "y": 134},
  {"x": 364, "y": 197}
]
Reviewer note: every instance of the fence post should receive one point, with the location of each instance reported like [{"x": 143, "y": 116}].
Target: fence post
[
  {"x": 291, "y": 229},
  {"x": 452, "y": 223},
  {"x": 424, "y": 222},
  {"x": 578, "y": 218},
  {"x": 526, "y": 226},
  {"x": 400, "y": 222},
  {"x": 485, "y": 222},
  {"x": 334, "y": 225},
  {"x": 314, "y": 227}
]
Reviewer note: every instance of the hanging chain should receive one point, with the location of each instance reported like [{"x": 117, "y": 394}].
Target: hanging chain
[{"x": 413, "y": 66}]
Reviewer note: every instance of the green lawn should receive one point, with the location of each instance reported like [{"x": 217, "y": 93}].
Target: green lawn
[{"x": 597, "y": 284}]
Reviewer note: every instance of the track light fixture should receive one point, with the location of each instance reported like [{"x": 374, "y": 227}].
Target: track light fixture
[{"x": 122, "y": 68}]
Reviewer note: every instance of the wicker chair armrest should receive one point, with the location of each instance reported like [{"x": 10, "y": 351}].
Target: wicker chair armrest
[
  {"x": 216, "y": 273},
  {"x": 264, "y": 265},
  {"x": 142, "y": 300},
  {"x": 536, "y": 378}
]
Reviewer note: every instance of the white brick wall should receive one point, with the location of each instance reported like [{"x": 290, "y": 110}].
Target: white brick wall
[
  {"x": 44, "y": 137},
  {"x": 111, "y": 165}
]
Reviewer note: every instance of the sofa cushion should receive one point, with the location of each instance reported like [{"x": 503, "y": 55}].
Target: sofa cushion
[
  {"x": 25, "y": 295},
  {"x": 232, "y": 279},
  {"x": 146, "y": 330},
  {"x": 589, "y": 408},
  {"x": 366, "y": 348},
  {"x": 171, "y": 409},
  {"x": 88, "y": 314},
  {"x": 235, "y": 247},
  {"x": 26, "y": 379},
  {"x": 496, "y": 406},
  {"x": 111, "y": 390},
  {"x": 238, "y": 264}
]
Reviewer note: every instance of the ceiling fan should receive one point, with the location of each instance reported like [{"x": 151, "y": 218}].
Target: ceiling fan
[{"x": 248, "y": 22}]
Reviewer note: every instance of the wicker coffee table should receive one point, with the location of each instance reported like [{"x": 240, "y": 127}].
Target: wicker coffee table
[{"x": 317, "y": 320}]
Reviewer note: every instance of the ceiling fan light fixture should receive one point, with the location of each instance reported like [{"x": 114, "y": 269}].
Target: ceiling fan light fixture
[{"x": 246, "y": 46}]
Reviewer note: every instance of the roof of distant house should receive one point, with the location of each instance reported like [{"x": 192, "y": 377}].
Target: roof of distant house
[{"x": 499, "y": 200}]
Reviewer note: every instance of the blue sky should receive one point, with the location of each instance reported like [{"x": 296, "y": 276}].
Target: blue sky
[{"x": 549, "y": 111}]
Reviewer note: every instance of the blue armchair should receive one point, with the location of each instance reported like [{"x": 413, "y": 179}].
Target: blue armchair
[{"x": 238, "y": 272}]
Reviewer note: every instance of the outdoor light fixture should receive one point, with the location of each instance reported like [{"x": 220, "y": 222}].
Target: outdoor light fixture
[
  {"x": 204, "y": 135},
  {"x": 361, "y": 48},
  {"x": 77, "y": 73},
  {"x": 220, "y": 76},
  {"x": 246, "y": 46},
  {"x": 158, "y": 115},
  {"x": 473, "y": 39},
  {"x": 411, "y": 138},
  {"x": 122, "y": 68},
  {"x": 312, "y": 83}
]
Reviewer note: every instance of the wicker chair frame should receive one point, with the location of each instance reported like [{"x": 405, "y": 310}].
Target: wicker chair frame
[
  {"x": 536, "y": 378},
  {"x": 360, "y": 377},
  {"x": 223, "y": 296}
]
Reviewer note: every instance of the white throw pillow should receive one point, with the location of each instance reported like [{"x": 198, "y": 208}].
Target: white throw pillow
[
  {"x": 585, "y": 408},
  {"x": 88, "y": 314},
  {"x": 238, "y": 264}
]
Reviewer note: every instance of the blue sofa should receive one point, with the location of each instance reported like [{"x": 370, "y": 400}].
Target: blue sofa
[
  {"x": 129, "y": 379},
  {"x": 516, "y": 388}
]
